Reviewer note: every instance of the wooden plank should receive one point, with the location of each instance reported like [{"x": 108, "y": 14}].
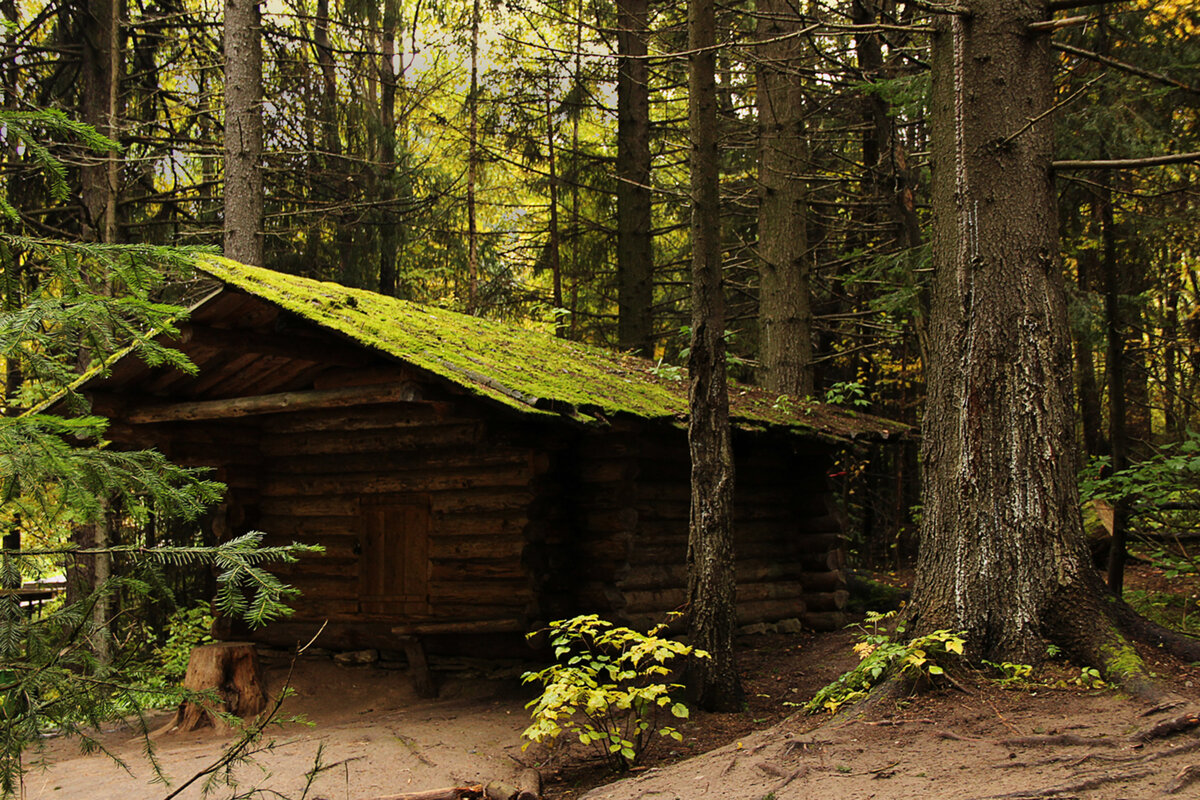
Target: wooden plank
[
  {"x": 274, "y": 403},
  {"x": 290, "y": 346},
  {"x": 475, "y": 547},
  {"x": 343, "y": 442},
  {"x": 394, "y": 567},
  {"x": 420, "y": 479},
  {"x": 358, "y": 418}
]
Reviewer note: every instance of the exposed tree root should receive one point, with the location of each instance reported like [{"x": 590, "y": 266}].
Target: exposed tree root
[
  {"x": 1059, "y": 740},
  {"x": 1071, "y": 788},
  {"x": 1184, "y": 722},
  {"x": 1186, "y": 777},
  {"x": 1134, "y": 625}
]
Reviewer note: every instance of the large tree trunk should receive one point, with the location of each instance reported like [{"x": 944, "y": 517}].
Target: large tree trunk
[
  {"x": 243, "y": 132},
  {"x": 635, "y": 254},
  {"x": 711, "y": 581},
  {"x": 1002, "y": 547},
  {"x": 785, "y": 316}
]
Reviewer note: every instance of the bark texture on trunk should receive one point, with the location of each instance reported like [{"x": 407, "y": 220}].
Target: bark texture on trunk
[
  {"x": 473, "y": 168},
  {"x": 1002, "y": 547},
  {"x": 711, "y": 579},
  {"x": 784, "y": 314},
  {"x": 243, "y": 132},
  {"x": 635, "y": 253},
  {"x": 98, "y": 107}
]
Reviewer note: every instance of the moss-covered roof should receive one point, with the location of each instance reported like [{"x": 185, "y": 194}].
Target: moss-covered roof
[{"x": 530, "y": 371}]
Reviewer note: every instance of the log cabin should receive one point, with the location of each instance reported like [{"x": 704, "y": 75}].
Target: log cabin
[{"x": 467, "y": 476}]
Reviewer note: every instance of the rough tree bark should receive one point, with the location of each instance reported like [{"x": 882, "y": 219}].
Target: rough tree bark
[
  {"x": 473, "y": 168},
  {"x": 784, "y": 314},
  {"x": 387, "y": 141},
  {"x": 243, "y": 132},
  {"x": 713, "y": 682},
  {"x": 99, "y": 96},
  {"x": 1003, "y": 555},
  {"x": 635, "y": 253}
]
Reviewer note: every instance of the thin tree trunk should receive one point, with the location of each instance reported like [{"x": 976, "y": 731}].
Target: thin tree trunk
[
  {"x": 1115, "y": 349},
  {"x": 473, "y": 168},
  {"x": 635, "y": 254},
  {"x": 553, "y": 243},
  {"x": 387, "y": 161},
  {"x": 711, "y": 584},
  {"x": 243, "y": 132},
  {"x": 99, "y": 100},
  {"x": 1085, "y": 364},
  {"x": 785, "y": 315}
]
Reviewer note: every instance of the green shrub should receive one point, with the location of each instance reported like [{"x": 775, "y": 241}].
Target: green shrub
[
  {"x": 609, "y": 688},
  {"x": 882, "y": 657}
]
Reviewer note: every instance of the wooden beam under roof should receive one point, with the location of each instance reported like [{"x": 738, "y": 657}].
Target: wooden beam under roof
[{"x": 404, "y": 392}]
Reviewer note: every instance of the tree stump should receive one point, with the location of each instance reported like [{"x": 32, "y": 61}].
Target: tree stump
[{"x": 230, "y": 672}]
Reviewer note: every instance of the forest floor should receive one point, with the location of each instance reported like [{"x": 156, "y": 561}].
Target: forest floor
[{"x": 373, "y": 737}]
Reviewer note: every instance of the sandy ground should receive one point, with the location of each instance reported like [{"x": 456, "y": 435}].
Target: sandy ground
[
  {"x": 366, "y": 726},
  {"x": 376, "y": 738}
]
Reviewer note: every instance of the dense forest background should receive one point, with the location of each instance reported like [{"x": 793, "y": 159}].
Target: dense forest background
[{"x": 528, "y": 161}]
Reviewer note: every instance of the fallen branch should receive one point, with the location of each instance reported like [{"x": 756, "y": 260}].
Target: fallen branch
[{"x": 449, "y": 793}]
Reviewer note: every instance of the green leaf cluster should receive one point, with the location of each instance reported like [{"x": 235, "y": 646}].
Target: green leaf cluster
[
  {"x": 608, "y": 689},
  {"x": 882, "y": 657}
]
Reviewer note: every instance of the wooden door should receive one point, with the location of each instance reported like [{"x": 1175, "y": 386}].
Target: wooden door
[{"x": 394, "y": 560}]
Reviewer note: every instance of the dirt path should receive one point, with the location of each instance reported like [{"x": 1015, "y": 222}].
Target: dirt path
[
  {"x": 987, "y": 742},
  {"x": 1055, "y": 744},
  {"x": 366, "y": 722}
]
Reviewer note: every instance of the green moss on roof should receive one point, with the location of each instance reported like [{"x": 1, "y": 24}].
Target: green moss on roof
[{"x": 528, "y": 370}]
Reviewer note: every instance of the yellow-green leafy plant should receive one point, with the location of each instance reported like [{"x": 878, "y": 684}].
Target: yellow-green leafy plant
[
  {"x": 882, "y": 657},
  {"x": 608, "y": 688}
]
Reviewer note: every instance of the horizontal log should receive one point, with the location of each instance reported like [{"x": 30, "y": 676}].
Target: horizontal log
[
  {"x": 825, "y": 620},
  {"x": 829, "y": 581},
  {"x": 479, "y": 501},
  {"x": 607, "y": 470},
  {"x": 307, "y": 527},
  {"x": 448, "y": 434},
  {"x": 465, "y": 627},
  {"x": 360, "y": 418},
  {"x": 478, "y": 569},
  {"x": 416, "y": 480},
  {"x": 481, "y": 592},
  {"x": 613, "y": 521},
  {"x": 436, "y": 458},
  {"x": 477, "y": 547},
  {"x": 617, "y": 547},
  {"x": 500, "y": 524},
  {"x": 273, "y": 403},
  {"x": 826, "y": 601},
  {"x": 644, "y": 575},
  {"x": 769, "y": 610},
  {"x": 458, "y": 501}
]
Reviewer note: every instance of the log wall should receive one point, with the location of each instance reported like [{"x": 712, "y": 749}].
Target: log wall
[
  {"x": 325, "y": 468},
  {"x": 635, "y": 504}
]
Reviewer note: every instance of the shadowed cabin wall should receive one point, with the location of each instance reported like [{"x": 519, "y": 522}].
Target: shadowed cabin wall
[
  {"x": 471, "y": 482},
  {"x": 634, "y": 501}
]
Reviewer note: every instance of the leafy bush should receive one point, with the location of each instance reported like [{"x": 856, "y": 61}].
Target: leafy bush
[
  {"x": 882, "y": 657},
  {"x": 608, "y": 688}
]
